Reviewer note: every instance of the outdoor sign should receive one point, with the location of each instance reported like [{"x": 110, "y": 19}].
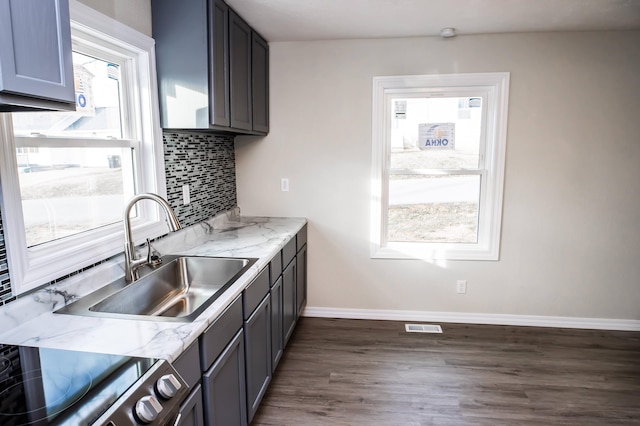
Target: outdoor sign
[
  {"x": 436, "y": 136},
  {"x": 400, "y": 110},
  {"x": 83, "y": 81}
]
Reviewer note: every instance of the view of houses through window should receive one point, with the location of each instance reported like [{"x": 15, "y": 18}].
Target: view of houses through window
[
  {"x": 438, "y": 165},
  {"x": 76, "y": 168},
  {"x": 434, "y": 172}
]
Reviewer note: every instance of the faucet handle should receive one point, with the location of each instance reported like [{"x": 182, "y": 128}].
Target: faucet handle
[
  {"x": 148, "y": 251},
  {"x": 153, "y": 258}
]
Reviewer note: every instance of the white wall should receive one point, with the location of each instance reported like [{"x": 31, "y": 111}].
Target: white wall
[
  {"x": 571, "y": 234},
  {"x": 134, "y": 13}
]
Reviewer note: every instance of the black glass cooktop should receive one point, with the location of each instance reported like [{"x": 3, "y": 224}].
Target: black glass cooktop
[{"x": 58, "y": 387}]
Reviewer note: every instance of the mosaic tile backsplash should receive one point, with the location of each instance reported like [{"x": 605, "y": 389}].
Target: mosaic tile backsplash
[
  {"x": 206, "y": 162},
  {"x": 5, "y": 283}
]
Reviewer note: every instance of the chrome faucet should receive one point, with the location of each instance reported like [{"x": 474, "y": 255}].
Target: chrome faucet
[{"x": 131, "y": 264}]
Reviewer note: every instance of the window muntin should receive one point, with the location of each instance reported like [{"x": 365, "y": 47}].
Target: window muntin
[{"x": 438, "y": 200}]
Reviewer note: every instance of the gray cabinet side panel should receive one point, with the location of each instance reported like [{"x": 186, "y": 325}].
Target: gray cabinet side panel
[
  {"x": 219, "y": 62},
  {"x": 180, "y": 31}
]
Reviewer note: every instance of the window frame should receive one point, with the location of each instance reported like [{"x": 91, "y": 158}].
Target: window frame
[
  {"x": 38, "y": 265},
  {"x": 496, "y": 87}
]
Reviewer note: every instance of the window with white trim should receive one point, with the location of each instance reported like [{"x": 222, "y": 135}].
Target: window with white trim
[
  {"x": 66, "y": 176},
  {"x": 438, "y": 166}
]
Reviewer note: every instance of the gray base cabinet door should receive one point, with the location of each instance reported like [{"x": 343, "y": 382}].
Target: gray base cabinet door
[
  {"x": 191, "y": 413},
  {"x": 277, "y": 345},
  {"x": 289, "y": 301},
  {"x": 224, "y": 387},
  {"x": 301, "y": 280},
  {"x": 257, "y": 338}
]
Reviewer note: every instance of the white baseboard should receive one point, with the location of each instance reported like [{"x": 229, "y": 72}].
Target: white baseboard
[{"x": 472, "y": 318}]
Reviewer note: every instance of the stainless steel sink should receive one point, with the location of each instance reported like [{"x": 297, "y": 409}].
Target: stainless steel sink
[{"x": 178, "y": 290}]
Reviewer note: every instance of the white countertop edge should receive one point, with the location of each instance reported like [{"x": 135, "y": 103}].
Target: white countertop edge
[{"x": 256, "y": 237}]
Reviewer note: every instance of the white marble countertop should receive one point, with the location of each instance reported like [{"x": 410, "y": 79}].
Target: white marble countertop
[{"x": 30, "y": 320}]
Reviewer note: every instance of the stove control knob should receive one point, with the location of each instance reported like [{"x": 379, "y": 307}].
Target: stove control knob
[
  {"x": 148, "y": 408},
  {"x": 168, "y": 386}
]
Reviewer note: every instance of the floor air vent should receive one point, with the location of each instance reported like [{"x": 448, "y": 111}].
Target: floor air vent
[{"x": 422, "y": 328}]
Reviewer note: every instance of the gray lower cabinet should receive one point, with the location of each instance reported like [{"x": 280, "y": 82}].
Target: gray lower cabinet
[
  {"x": 277, "y": 343},
  {"x": 224, "y": 387},
  {"x": 231, "y": 365},
  {"x": 289, "y": 301},
  {"x": 301, "y": 280},
  {"x": 36, "y": 69},
  {"x": 257, "y": 338},
  {"x": 191, "y": 412}
]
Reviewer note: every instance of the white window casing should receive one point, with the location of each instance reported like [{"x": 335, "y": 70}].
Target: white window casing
[{"x": 492, "y": 86}]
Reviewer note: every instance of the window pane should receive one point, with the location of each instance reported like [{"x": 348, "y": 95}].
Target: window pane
[
  {"x": 436, "y": 133},
  {"x": 433, "y": 209},
  {"x": 97, "y": 115},
  {"x": 66, "y": 191}
]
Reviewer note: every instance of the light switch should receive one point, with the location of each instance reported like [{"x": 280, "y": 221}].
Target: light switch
[{"x": 284, "y": 184}]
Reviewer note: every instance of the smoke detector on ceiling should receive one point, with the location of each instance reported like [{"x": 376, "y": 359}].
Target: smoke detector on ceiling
[{"x": 447, "y": 32}]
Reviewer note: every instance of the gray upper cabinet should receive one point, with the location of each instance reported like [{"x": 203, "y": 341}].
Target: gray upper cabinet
[
  {"x": 240, "y": 72},
  {"x": 205, "y": 67},
  {"x": 219, "y": 63},
  {"x": 260, "y": 83},
  {"x": 36, "y": 66},
  {"x": 289, "y": 301}
]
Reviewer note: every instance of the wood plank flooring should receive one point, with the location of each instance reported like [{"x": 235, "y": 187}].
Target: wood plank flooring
[{"x": 358, "y": 372}]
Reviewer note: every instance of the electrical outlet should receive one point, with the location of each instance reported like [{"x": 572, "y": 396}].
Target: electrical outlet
[
  {"x": 186, "y": 197},
  {"x": 461, "y": 286},
  {"x": 284, "y": 185}
]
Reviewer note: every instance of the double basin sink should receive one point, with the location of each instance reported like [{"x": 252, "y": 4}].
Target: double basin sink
[{"x": 180, "y": 289}]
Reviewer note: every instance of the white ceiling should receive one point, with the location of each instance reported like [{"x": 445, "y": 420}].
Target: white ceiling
[{"x": 297, "y": 20}]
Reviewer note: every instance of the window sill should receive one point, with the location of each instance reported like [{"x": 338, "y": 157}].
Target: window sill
[{"x": 426, "y": 251}]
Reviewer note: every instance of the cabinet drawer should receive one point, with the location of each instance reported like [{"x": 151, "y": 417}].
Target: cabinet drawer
[
  {"x": 255, "y": 292},
  {"x": 188, "y": 365},
  {"x": 289, "y": 252},
  {"x": 275, "y": 268},
  {"x": 219, "y": 334},
  {"x": 301, "y": 238}
]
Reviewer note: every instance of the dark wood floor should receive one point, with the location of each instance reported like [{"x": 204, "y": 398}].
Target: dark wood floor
[{"x": 356, "y": 372}]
